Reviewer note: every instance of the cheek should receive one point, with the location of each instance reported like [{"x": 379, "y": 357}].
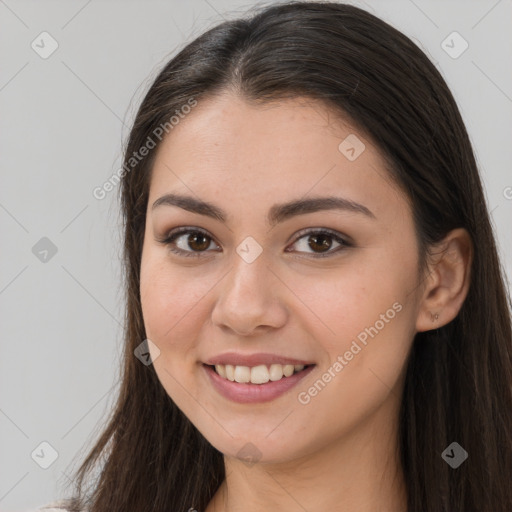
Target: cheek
[
  {"x": 365, "y": 315},
  {"x": 171, "y": 308},
  {"x": 170, "y": 300},
  {"x": 357, "y": 377},
  {"x": 338, "y": 308}
]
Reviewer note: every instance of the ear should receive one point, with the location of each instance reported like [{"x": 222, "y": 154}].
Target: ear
[{"x": 448, "y": 281}]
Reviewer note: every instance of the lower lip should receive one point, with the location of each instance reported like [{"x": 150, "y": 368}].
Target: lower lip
[{"x": 253, "y": 393}]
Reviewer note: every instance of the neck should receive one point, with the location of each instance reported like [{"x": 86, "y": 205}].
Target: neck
[{"x": 359, "y": 472}]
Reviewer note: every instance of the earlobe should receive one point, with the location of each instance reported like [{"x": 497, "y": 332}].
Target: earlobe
[
  {"x": 434, "y": 317},
  {"x": 448, "y": 282}
]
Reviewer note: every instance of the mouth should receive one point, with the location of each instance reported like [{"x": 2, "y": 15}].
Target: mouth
[
  {"x": 261, "y": 374},
  {"x": 262, "y": 383}
]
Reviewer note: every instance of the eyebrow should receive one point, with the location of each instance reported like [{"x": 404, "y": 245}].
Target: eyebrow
[{"x": 277, "y": 213}]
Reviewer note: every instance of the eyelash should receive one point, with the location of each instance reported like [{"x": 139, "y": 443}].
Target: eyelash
[{"x": 173, "y": 235}]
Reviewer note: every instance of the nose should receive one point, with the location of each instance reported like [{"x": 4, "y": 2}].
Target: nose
[{"x": 249, "y": 299}]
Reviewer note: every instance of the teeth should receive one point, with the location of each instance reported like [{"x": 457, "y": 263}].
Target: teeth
[
  {"x": 242, "y": 374},
  {"x": 221, "y": 370},
  {"x": 230, "y": 372},
  {"x": 288, "y": 370},
  {"x": 257, "y": 374},
  {"x": 276, "y": 372}
]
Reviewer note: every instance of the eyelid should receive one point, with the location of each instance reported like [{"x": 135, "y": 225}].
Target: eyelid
[
  {"x": 344, "y": 241},
  {"x": 314, "y": 230},
  {"x": 171, "y": 235}
]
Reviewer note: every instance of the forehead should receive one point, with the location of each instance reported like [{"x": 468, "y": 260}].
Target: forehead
[
  {"x": 227, "y": 127},
  {"x": 228, "y": 147}
]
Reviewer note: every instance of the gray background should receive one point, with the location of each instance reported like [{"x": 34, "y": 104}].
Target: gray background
[{"x": 62, "y": 122}]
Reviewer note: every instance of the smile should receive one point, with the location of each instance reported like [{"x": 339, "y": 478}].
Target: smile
[
  {"x": 262, "y": 383},
  {"x": 260, "y": 374}
]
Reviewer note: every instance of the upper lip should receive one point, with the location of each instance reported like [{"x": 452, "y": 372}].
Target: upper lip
[{"x": 235, "y": 359}]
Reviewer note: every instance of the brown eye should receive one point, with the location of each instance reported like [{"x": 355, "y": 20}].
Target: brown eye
[
  {"x": 188, "y": 242},
  {"x": 320, "y": 242},
  {"x": 198, "y": 241}
]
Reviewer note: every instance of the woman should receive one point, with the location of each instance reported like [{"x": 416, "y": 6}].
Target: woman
[{"x": 316, "y": 313}]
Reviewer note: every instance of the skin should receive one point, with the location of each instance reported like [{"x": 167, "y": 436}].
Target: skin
[{"x": 339, "y": 451}]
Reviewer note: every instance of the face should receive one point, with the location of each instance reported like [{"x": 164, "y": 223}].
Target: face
[{"x": 255, "y": 278}]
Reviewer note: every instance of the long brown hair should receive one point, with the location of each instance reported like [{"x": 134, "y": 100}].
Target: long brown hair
[{"x": 458, "y": 385}]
